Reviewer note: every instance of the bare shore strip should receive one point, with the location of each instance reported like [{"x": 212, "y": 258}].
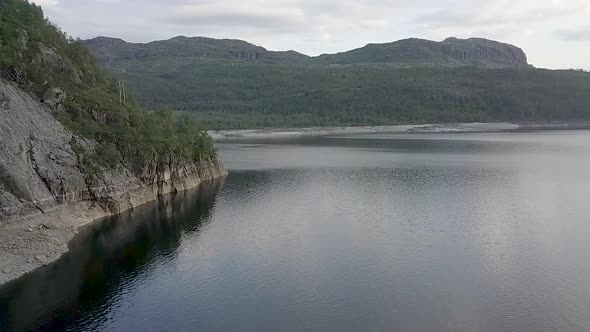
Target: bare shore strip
[
  {"x": 223, "y": 135},
  {"x": 35, "y": 240}
]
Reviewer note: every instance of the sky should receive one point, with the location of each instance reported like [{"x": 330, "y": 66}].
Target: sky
[{"x": 553, "y": 33}]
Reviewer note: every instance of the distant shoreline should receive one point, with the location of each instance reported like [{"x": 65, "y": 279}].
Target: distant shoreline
[{"x": 237, "y": 134}]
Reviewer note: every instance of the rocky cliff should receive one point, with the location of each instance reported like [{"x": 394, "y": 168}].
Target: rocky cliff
[
  {"x": 39, "y": 169},
  {"x": 484, "y": 53},
  {"x": 74, "y": 145},
  {"x": 44, "y": 194},
  {"x": 452, "y": 52}
]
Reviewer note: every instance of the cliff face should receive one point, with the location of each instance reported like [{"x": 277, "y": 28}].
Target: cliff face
[
  {"x": 39, "y": 168},
  {"x": 484, "y": 53},
  {"x": 452, "y": 52},
  {"x": 75, "y": 146},
  {"x": 45, "y": 196}
]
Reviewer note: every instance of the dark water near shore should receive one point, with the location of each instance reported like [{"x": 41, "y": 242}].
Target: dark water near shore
[{"x": 362, "y": 233}]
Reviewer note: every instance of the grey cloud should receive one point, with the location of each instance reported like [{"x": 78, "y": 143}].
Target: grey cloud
[
  {"x": 276, "y": 21},
  {"x": 580, "y": 34},
  {"x": 319, "y": 26},
  {"x": 276, "y": 24},
  {"x": 478, "y": 17}
]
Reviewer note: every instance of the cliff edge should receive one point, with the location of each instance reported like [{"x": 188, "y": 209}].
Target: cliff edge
[
  {"x": 45, "y": 196},
  {"x": 75, "y": 146}
]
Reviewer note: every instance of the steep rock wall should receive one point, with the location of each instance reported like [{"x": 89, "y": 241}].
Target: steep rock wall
[
  {"x": 38, "y": 167},
  {"x": 45, "y": 197}
]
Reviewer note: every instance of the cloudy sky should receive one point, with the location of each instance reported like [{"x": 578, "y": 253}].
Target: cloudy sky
[{"x": 553, "y": 33}]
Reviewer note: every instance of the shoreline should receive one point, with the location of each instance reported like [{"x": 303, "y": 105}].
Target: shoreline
[
  {"x": 476, "y": 127},
  {"x": 35, "y": 240}
]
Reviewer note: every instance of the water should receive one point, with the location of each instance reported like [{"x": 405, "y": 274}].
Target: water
[{"x": 358, "y": 233}]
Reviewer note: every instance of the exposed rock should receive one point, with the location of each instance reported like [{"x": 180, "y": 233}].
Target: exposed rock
[
  {"x": 44, "y": 197},
  {"x": 4, "y": 102},
  {"x": 54, "y": 98},
  {"x": 118, "y": 54},
  {"x": 49, "y": 57},
  {"x": 484, "y": 53},
  {"x": 98, "y": 116},
  {"x": 23, "y": 39},
  {"x": 41, "y": 258},
  {"x": 420, "y": 52},
  {"x": 39, "y": 169},
  {"x": 37, "y": 165}
]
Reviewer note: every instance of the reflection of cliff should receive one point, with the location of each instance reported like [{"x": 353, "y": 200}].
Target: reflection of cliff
[{"x": 103, "y": 257}]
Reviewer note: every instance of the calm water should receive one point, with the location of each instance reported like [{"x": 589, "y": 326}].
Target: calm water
[{"x": 460, "y": 232}]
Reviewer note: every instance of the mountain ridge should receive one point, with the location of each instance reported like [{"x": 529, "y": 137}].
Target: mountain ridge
[
  {"x": 228, "y": 84},
  {"x": 451, "y": 52}
]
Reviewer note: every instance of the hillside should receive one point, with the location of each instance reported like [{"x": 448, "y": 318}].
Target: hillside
[
  {"x": 73, "y": 147},
  {"x": 409, "y": 81},
  {"x": 67, "y": 131},
  {"x": 451, "y": 52},
  {"x": 117, "y": 52}
]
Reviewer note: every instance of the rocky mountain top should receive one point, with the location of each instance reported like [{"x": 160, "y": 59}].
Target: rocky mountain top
[
  {"x": 409, "y": 52},
  {"x": 451, "y": 52},
  {"x": 108, "y": 50}
]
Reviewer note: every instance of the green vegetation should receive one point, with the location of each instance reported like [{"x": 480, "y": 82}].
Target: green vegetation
[
  {"x": 233, "y": 84},
  {"x": 224, "y": 94},
  {"x": 42, "y": 59}
]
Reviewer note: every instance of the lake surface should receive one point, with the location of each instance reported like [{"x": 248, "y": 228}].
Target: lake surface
[{"x": 441, "y": 232}]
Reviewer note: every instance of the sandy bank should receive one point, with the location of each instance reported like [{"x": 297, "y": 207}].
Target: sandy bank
[
  {"x": 329, "y": 131},
  {"x": 228, "y": 135}
]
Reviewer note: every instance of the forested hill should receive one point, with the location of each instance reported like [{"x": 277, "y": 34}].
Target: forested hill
[
  {"x": 234, "y": 84},
  {"x": 60, "y": 72},
  {"x": 118, "y": 52}
]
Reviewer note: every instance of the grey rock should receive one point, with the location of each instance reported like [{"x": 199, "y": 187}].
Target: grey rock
[
  {"x": 54, "y": 98},
  {"x": 49, "y": 57},
  {"x": 38, "y": 168},
  {"x": 40, "y": 183},
  {"x": 450, "y": 52},
  {"x": 47, "y": 226},
  {"x": 23, "y": 39},
  {"x": 484, "y": 53},
  {"x": 41, "y": 258},
  {"x": 4, "y": 102}
]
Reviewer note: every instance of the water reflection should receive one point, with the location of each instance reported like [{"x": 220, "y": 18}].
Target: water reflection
[
  {"x": 103, "y": 257},
  {"x": 465, "y": 233}
]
